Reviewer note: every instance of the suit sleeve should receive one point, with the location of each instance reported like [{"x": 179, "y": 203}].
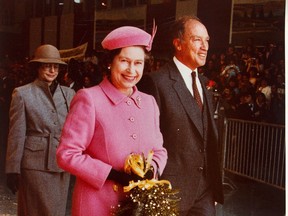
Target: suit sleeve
[
  {"x": 148, "y": 86},
  {"x": 160, "y": 153},
  {"x": 17, "y": 133}
]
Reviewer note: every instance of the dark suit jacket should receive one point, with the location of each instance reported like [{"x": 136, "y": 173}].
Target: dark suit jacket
[
  {"x": 184, "y": 138},
  {"x": 76, "y": 86}
]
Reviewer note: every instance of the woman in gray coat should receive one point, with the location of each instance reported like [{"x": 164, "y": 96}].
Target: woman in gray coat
[{"x": 37, "y": 114}]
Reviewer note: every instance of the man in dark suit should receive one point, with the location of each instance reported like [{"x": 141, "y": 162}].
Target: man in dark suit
[
  {"x": 186, "y": 120},
  {"x": 71, "y": 82},
  {"x": 73, "y": 76}
]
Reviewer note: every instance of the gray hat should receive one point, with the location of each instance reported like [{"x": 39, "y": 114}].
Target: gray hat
[{"x": 47, "y": 54}]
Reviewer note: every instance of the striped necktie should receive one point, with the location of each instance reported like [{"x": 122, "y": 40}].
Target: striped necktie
[{"x": 196, "y": 92}]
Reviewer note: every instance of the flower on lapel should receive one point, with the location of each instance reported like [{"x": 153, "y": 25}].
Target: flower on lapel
[{"x": 211, "y": 85}]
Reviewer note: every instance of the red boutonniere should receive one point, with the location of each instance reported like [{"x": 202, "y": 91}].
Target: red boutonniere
[{"x": 211, "y": 85}]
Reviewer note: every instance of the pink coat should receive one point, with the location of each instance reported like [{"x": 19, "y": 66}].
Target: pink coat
[{"x": 101, "y": 129}]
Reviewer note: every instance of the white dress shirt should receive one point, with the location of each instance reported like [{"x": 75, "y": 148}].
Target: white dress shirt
[{"x": 187, "y": 76}]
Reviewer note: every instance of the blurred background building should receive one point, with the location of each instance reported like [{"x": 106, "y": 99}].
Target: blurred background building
[{"x": 66, "y": 23}]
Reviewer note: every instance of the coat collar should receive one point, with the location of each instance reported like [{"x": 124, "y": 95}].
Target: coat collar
[
  {"x": 116, "y": 96},
  {"x": 41, "y": 83}
]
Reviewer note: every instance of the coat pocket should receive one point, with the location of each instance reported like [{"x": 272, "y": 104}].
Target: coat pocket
[
  {"x": 34, "y": 155},
  {"x": 35, "y": 146}
]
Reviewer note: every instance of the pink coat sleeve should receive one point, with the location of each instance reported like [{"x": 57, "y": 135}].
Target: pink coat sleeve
[{"x": 76, "y": 136}]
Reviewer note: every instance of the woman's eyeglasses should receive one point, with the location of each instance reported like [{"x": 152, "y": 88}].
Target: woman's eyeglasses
[{"x": 47, "y": 66}]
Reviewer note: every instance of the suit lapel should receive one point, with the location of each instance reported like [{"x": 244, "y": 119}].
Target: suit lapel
[{"x": 185, "y": 98}]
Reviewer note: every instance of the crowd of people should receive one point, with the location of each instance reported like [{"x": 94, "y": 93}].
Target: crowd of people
[{"x": 250, "y": 81}]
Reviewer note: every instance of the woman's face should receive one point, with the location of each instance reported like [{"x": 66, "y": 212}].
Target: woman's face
[
  {"x": 48, "y": 72},
  {"x": 127, "y": 68}
]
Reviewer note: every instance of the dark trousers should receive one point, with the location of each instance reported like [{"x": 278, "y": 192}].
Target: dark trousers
[{"x": 204, "y": 205}]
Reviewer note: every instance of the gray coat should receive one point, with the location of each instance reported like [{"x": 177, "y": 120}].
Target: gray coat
[
  {"x": 36, "y": 121},
  {"x": 191, "y": 141}
]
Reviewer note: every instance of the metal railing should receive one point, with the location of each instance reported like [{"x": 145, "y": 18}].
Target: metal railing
[{"x": 254, "y": 150}]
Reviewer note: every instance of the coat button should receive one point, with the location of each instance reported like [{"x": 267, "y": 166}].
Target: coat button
[
  {"x": 128, "y": 102},
  {"x": 200, "y": 169},
  {"x": 132, "y": 119},
  {"x": 134, "y": 136}
]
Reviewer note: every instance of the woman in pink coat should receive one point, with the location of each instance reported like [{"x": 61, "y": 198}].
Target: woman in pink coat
[{"x": 108, "y": 122}]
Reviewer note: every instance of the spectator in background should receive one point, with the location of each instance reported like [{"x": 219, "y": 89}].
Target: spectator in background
[
  {"x": 230, "y": 71},
  {"x": 230, "y": 53},
  {"x": 265, "y": 89},
  {"x": 230, "y": 102},
  {"x": 249, "y": 45},
  {"x": 210, "y": 70},
  {"x": 233, "y": 86},
  {"x": 281, "y": 67},
  {"x": 246, "y": 109},
  {"x": 269, "y": 56},
  {"x": 7, "y": 85},
  {"x": 254, "y": 63},
  {"x": 222, "y": 63},
  {"x": 71, "y": 82},
  {"x": 277, "y": 105},
  {"x": 73, "y": 75},
  {"x": 261, "y": 108},
  {"x": 37, "y": 113},
  {"x": 88, "y": 80},
  {"x": 91, "y": 57},
  {"x": 245, "y": 85},
  {"x": 280, "y": 83},
  {"x": 253, "y": 77},
  {"x": 93, "y": 72}
]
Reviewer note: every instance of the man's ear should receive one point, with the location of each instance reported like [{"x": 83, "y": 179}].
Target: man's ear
[{"x": 177, "y": 44}]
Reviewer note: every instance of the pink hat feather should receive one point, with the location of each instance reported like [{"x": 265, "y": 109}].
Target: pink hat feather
[{"x": 126, "y": 36}]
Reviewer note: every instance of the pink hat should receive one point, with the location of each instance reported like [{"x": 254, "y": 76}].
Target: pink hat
[{"x": 128, "y": 36}]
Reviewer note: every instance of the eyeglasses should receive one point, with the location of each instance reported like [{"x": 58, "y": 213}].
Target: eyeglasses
[{"x": 47, "y": 66}]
